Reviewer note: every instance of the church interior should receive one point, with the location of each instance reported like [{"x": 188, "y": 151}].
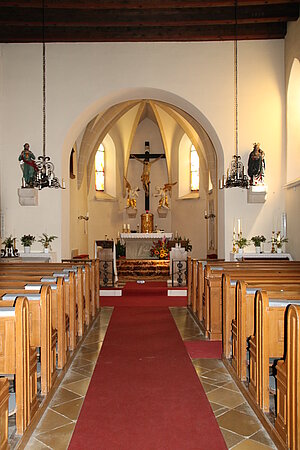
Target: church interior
[{"x": 149, "y": 181}]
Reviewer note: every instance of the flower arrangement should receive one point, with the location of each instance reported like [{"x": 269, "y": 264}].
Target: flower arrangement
[
  {"x": 160, "y": 249},
  {"x": 27, "y": 240},
  {"x": 257, "y": 240}
]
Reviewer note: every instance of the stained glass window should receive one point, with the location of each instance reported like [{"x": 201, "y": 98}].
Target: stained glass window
[
  {"x": 194, "y": 169},
  {"x": 99, "y": 168}
]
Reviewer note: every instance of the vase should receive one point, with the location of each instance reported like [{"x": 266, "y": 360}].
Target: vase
[
  {"x": 46, "y": 250},
  {"x": 26, "y": 249},
  {"x": 257, "y": 249},
  {"x": 241, "y": 251},
  {"x": 279, "y": 250}
]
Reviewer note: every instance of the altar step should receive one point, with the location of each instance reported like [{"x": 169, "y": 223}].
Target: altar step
[{"x": 145, "y": 269}]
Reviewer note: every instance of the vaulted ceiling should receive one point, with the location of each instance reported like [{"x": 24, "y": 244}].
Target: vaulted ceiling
[{"x": 144, "y": 20}]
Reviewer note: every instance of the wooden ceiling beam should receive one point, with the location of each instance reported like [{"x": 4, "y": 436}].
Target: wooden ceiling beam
[
  {"x": 144, "y": 34},
  {"x": 134, "y": 4},
  {"x": 175, "y": 17}
]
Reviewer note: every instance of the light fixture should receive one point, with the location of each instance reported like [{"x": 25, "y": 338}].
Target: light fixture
[
  {"x": 236, "y": 176},
  {"x": 45, "y": 176}
]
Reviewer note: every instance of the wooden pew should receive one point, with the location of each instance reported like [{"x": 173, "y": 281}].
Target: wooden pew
[
  {"x": 287, "y": 421},
  {"x": 4, "y": 385},
  {"x": 73, "y": 303},
  {"x": 212, "y": 309},
  {"x": 19, "y": 359},
  {"x": 243, "y": 324},
  {"x": 94, "y": 279},
  {"x": 90, "y": 270},
  {"x": 59, "y": 317},
  {"x": 266, "y": 282},
  {"x": 267, "y": 341},
  {"x": 41, "y": 332},
  {"x": 29, "y": 270}
]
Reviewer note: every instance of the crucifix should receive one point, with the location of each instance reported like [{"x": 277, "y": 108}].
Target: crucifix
[{"x": 145, "y": 177}]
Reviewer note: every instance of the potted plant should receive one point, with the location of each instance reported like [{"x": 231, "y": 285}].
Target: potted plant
[
  {"x": 46, "y": 240},
  {"x": 279, "y": 243},
  {"x": 242, "y": 243},
  {"x": 27, "y": 240},
  {"x": 257, "y": 241},
  {"x": 9, "y": 247}
]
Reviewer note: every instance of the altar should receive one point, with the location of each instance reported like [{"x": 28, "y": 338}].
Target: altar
[{"x": 138, "y": 245}]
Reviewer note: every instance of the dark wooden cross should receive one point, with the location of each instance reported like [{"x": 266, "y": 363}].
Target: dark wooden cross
[{"x": 145, "y": 159}]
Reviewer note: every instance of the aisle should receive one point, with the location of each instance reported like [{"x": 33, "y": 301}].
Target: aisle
[{"x": 144, "y": 390}]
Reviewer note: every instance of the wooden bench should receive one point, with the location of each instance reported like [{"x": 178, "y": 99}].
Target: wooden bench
[
  {"x": 94, "y": 265},
  {"x": 267, "y": 342},
  {"x": 4, "y": 385},
  {"x": 287, "y": 421},
  {"x": 212, "y": 308},
  {"x": 243, "y": 324},
  {"x": 266, "y": 282},
  {"x": 41, "y": 332},
  {"x": 29, "y": 270},
  {"x": 19, "y": 359},
  {"x": 73, "y": 292},
  {"x": 59, "y": 316}
]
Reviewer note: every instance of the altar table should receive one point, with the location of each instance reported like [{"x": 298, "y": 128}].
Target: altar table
[{"x": 138, "y": 245}]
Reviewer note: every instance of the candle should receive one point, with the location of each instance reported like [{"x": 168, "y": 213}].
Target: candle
[
  {"x": 63, "y": 183},
  {"x": 239, "y": 226}
]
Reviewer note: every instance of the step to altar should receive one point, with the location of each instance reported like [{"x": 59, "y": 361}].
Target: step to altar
[
  {"x": 118, "y": 291},
  {"x": 135, "y": 269}
]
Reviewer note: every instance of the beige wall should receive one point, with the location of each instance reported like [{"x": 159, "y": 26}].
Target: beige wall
[
  {"x": 83, "y": 79},
  {"x": 292, "y": 191}
]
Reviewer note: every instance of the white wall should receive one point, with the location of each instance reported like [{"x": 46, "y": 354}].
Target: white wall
[{"x": 83, "y": 79}]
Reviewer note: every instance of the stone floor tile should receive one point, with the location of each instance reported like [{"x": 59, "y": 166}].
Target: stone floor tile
[
  {"x": 58, "y": 439},
  {"x": 248, "y": 444},
  {"x": 79, "y": 387},
  {"x": 64, "y": 395},
  {"x": 239, "y": 423},
  {"x": 70, "y": 409},
  {"x": 225, "y": 397},
  {"x": 231, "y": 439},
  {"x": 50, "y": 421}
]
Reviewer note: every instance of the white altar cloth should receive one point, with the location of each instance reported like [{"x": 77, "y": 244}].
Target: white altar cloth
[{"x": 138, "y": 245}]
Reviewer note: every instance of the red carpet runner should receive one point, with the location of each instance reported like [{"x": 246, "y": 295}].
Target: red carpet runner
[
  {"x": 204, "y": 349},
  {"x": 144, "y": 393}
]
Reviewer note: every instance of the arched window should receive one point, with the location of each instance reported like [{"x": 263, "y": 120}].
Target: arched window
[
  {"x": 99, "y": 168},
  {"x": 194, "y": 169}
]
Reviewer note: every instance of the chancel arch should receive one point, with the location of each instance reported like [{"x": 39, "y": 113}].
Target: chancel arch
[{"x": 120, "y": 123}]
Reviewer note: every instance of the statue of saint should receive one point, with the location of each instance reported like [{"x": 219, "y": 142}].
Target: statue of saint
[
  {"x": 256, "y": 165},
  {"x": 28, "y": 165},
  {"x": 132, "y": 194},
  {"x": 163, "y": 192},
  {"x": 145, "y": 177}
]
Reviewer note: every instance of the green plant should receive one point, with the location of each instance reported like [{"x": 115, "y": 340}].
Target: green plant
[
  {"x": 45, "y": 240},
  {"x": 8, "y": 242},
  {"x": 242, "y": 242},
  {"x": 27, "y": 240},
  {"x": 257, "y": 240}
]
